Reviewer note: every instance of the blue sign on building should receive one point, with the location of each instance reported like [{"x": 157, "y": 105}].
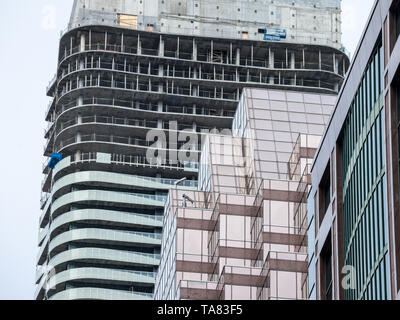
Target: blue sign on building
[{"x": 274, "y": 34}]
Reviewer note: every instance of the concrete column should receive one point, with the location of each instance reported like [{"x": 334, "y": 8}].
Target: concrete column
[
  {"x": 293, "y": 81},
  {"x": 337, "y": 87},
  {"x": 78, "y": 137},
  {"x": 231, "y": 53},
  {"x": 320, "y": 60},
  {"x": 287, "y": 62},
  {"x": 344, "y": 67},
  {"x": 195, "y": 90},
  {"x": 160, "y": 109},
  {"x": 78, "y": 156},
  {"x": 161, "y": 48},
  {"x": 80, "y": 101},
  {"x": 271, "y": 65},
  {"x": 160, "y": 74},
  {"x": 335, "y": 64},
  {"x": 83, "y": 42},
  {"x": 195, "y": 73},
  {"x": 139, "y": 45},
  {"x": 292, "y": 60},
  {"x": 79, "y": 119},
  {"x": 81, "y": 65},
  {"x": 194, "y": 50},
  {"x": 238, "y": 56},
  {"x": 105, "y": 40},
  {"x": 271, "y": 80},
  {"x": 90, "y": 39},
  {"x": 271, "y": 61}
]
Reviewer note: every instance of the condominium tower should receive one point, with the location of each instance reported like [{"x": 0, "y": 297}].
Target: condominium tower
[{"x": 129, "y": 70}]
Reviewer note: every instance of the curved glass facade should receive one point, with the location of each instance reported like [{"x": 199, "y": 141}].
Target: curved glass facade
[{"x": 365, "y": 233}]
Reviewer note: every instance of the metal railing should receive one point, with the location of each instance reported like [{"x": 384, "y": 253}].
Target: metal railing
[
  {"x": 135, "y": 85},
  {"x": 50, "y": 104},
  {"x": 178, "y": 54},
  {"x": 43, "y": 198},
  {"x": 130, "y": 160},
  {"x": 129, "y": 141},
  {"x": 187, "y": 74},
  {"x": 51, "y": 83},
  {"x": 143, "y": 124},
  {"x": 146, "y": 107}
]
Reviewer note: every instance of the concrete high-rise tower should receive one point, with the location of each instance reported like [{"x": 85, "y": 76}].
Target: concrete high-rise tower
[{"x": 131, "y": 70}]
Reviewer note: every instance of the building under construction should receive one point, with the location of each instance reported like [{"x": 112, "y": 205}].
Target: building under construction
[{"x": 127, "y": 68}]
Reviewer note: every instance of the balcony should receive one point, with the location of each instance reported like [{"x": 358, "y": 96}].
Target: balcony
[
  {"x": 46, "y": 183},
  {"x": 50, "y": 108},
  {"x": 50, "y": 90},
  {"x": 123, "y": 141},
  {"x": 43, "y": 199},
  {"x": 184, "y": 110},
  {"x": 202, "y": 56},
  {"x": 128, "y": 161},
  {"x": 197, "y": 290},
  {"x": 153, "y": 87},
  {"x": 100, "y": 294},
  {"x": 290, "y": 270},
  {"x": 49, "y": 129}
]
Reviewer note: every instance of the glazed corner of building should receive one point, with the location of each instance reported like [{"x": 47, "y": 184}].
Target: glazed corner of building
[
  {"x": 354, "y": 226},
  {"x": 303, "y": 21}
]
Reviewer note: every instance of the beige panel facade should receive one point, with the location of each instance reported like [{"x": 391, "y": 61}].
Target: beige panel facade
[{"x": 243, "y": 234}]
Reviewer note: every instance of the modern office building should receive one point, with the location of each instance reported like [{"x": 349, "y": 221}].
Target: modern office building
[
  {"x": 131, "y": 71},
  {"x": 354, "y": 223},
  {"x": 243, "y": 236}
]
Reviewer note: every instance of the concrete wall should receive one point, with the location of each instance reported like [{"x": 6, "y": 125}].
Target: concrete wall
[{"x": 305, "y": 21}]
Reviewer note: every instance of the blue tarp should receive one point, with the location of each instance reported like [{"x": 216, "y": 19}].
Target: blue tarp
[{"x": 55, "y": 158}]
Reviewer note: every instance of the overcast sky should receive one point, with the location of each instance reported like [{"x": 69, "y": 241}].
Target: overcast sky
[{"x": 29, "y": 35}]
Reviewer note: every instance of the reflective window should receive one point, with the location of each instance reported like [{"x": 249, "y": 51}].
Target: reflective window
[{"x": 364, "y": 182}]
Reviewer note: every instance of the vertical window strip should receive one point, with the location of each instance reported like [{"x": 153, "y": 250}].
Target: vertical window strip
[{"x": 364, "y": 249}]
